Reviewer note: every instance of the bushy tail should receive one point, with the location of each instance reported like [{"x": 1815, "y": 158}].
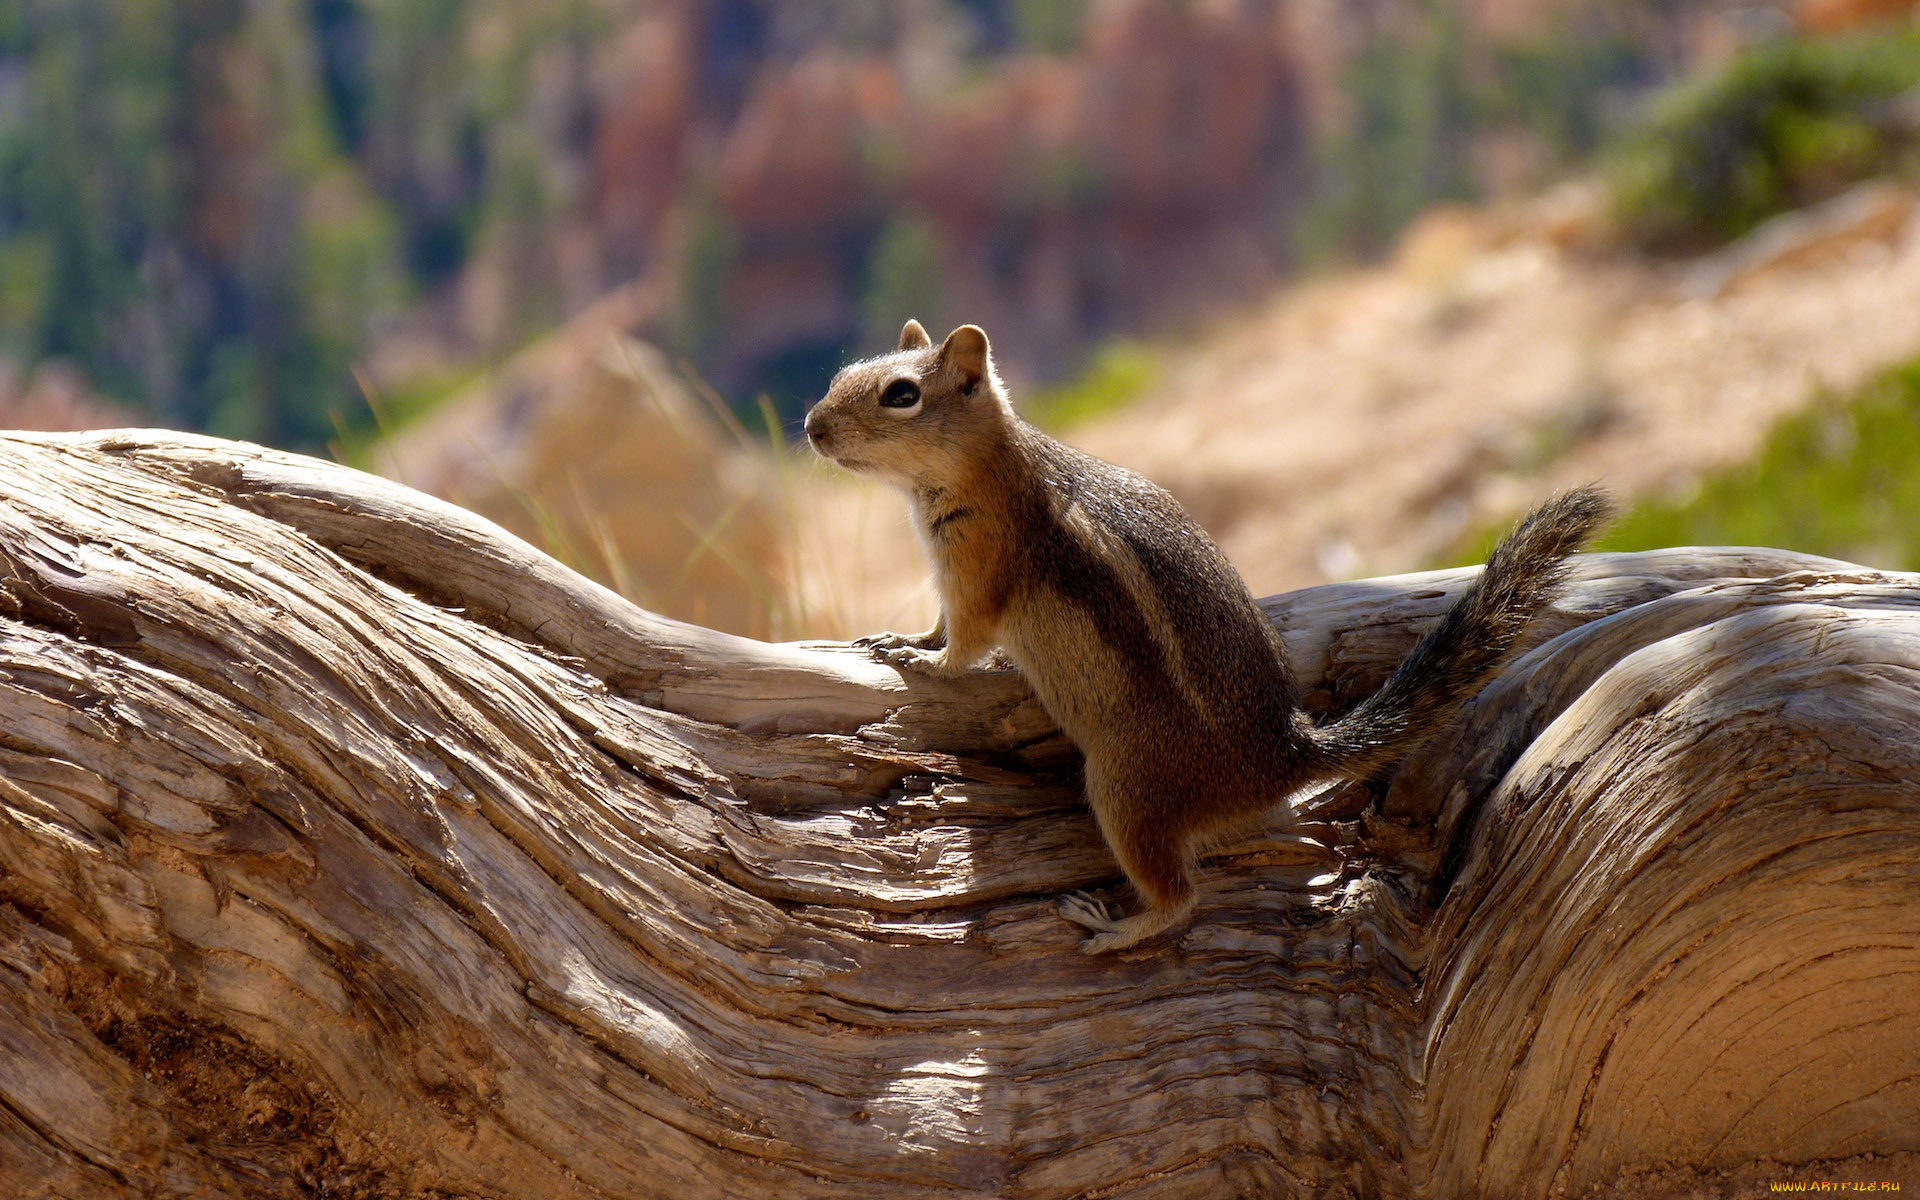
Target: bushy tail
[{"x": 1454, "y": 660}]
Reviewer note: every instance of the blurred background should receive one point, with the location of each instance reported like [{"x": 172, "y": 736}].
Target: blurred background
[{"x": 1358, "y": 280}]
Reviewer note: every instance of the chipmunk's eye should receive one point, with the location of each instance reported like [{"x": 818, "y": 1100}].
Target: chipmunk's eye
[{"x": 901, "y": 393}]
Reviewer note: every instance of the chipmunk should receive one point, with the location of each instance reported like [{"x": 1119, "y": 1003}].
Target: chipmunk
[{"x": 1134, "y": 631}]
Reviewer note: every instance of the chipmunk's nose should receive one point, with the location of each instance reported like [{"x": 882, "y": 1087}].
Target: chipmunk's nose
[{"x": 819, "y": 432}]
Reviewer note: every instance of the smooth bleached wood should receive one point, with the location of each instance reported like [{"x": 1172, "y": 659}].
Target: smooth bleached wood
[{"x": 349, "y": 846}]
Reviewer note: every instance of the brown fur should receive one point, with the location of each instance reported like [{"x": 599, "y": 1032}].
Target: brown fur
[{"x": 1132, "y": 627}]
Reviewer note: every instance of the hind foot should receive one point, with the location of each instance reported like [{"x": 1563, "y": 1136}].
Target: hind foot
[{"x": 1112, "y": 933}]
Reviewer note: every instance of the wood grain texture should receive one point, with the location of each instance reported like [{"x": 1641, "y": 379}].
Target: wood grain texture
[{"x": 351, "y": 848}]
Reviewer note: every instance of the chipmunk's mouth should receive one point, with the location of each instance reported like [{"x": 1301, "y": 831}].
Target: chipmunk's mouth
[
  {"x": 828, "y": 445},
  {"x": 824, "y": 447}
]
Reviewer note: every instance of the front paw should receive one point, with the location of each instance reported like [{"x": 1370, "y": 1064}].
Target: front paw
[
  {"x": 922, "y": 652},
  {"x": 913, "y": 658}
]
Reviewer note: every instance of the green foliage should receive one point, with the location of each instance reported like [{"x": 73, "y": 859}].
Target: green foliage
[
  {"x": 1784, "y": 124},
  {"x": 1841, "y": 479},
  {"x": 1048, "y": 26},
  {"x": 902, "y": 280},
  {"x": 210, "y": 205},
  {"x": 391, "y": 409},
  {"x": 1561, "y": 86},
  {"x": 700, "y": 317},
  {"x": 1405, "y": 147},
  {"x": 1421, "y": 99},
  {"x": 1119, "y": 372},
  {"x": 346, "y": 264},
  {"x": 154, "y": 176}
]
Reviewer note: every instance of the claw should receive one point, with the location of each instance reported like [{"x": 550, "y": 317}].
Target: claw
[
  {"x": 1101, "y": 943},
  {"x": 885, "y": 643},
  {"x": 1083, "y": 910},
  {"x": 1117, "y": 934},
  {"x": 912, "y": 658}
]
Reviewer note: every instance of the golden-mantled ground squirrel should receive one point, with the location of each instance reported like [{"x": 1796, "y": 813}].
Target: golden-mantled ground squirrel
[{"x": 1132, "y": 627}]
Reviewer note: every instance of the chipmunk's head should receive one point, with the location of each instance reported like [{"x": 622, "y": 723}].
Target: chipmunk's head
[{"x": 920, "y": 414}]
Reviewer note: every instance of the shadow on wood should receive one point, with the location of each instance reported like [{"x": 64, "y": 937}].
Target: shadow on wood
[{"x": 352, "y": 848}]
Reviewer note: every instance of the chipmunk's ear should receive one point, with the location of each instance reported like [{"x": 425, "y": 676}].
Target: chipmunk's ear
[
  {"x": 966, "y": 351},
  {"x": 913, "y": 336}
]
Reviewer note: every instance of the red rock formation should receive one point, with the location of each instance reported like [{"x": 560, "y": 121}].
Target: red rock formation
[
  {"x": 640, "y": 143},
  {"x": 800, "y": 193},
  {"x": 1831, "y": 16},
  {"x": 1150, "y": 171},
  {"x": 54, "y": 398}
]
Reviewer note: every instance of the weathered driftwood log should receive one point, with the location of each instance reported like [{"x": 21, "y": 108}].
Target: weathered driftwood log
[{"x": 352, "y": 848}]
